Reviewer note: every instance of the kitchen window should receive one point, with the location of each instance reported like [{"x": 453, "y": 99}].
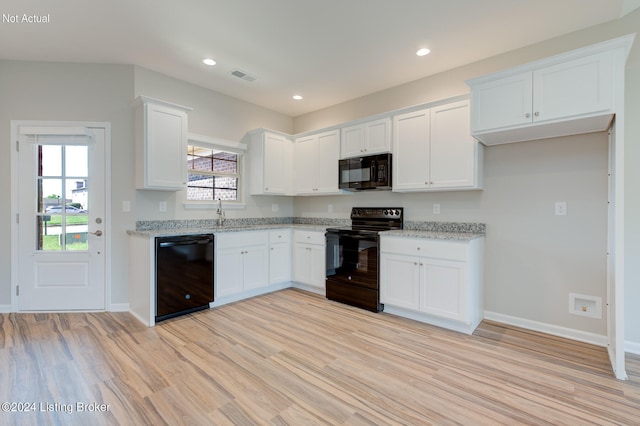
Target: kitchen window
[{"x": 214, "y": 172}]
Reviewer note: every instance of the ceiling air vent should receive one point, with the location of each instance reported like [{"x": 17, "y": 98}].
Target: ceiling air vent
[{"x": 243, "y": 75}]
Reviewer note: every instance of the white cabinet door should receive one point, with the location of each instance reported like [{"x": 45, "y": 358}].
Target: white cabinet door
[
  {"x": 328, "y": 155},
  {"x": 411, "y": 150},
  {"x": 373, "y": 137},
  {"x": 270, "y": 157},
  {"x": 502, "y": 103},
  {"x": 229, "y": 271},
  {"x": 242, "y": 262},
  {"x": 309, "y": 258},
  {"x": 453, "y": 157},
  {"x": 280, "y": 255},
  {"x": 255, "y": 267},
  {"x": 306, "y": 165},
  {"x": 377, "y": 136},
  {"x": 277, "y": 163},
  {"x": 581, "y": 86},
  {"x": 444, "y": 288},
  {"x": 316, "y": 161},
  {"x": 280, "y": 263},
  {"x": 161, "y": 145},
  {"x": 400, "y": 281},
  {"x": 301, "y": 261},
  {"x": 317, "y": 268},
  {"x": 352, "y": 143}
]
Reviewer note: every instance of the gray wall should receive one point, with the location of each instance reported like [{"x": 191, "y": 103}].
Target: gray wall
[
  {"x": 94, "y": 92},
  {"x": 71, "y": 92},
  {"x": 533, "y": 258}
]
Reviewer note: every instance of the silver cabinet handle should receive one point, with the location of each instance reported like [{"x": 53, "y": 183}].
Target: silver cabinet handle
[
  {"x": 536, "y": 113},
  {"x": 98, "y": 233},
  {"x": 527, "y": 115}
]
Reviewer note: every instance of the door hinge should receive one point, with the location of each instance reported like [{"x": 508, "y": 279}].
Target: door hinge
[
  {"x": 17, "y": 146},
  {"x": 17, "y": 290},
  {"x": 17, "y": 217}
]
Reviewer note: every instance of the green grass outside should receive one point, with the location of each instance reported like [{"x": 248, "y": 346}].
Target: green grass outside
[
  {"x": 56, "y": 220},
  {"x": 52, "y": 243}
]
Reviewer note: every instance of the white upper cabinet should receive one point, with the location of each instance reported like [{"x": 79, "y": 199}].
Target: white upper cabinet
[
  {"x": 456, "y": 157},
  {"x": 411, "y": 157},
  {"x": 160, "y": 145},
  {"x": 372, "y": 137},
  {"x": 566, "y": 94},
  {"x": 434, "y": 150},
  {"x": 316, "y": 163},
  {"x": 270, "y": 163}
]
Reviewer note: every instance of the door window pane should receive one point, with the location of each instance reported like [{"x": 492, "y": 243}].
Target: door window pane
[{"x": 62, "y": 191}]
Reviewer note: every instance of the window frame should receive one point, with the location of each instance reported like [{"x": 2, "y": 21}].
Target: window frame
[{"x": 238, "y": 148}]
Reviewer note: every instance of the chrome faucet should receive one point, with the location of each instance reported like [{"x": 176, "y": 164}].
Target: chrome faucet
[{"x": 220, "y": 214}]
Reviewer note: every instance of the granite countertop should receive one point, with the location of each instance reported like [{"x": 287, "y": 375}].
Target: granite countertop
[
  {"x": 433, "y": 235},
  {"x": 152, "y": 233},
  {"x": 452, "y": 231}
]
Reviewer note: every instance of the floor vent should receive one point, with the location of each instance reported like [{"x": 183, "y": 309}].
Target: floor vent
[{"x": 243, "y": 75}]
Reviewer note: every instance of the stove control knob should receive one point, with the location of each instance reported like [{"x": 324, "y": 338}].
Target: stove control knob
[
  {"x": 396, "y": 212},
  {"x": 386, "y": 212}
]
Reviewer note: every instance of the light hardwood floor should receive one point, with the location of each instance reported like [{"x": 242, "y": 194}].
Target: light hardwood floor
[{"x": 295, "y": 358}]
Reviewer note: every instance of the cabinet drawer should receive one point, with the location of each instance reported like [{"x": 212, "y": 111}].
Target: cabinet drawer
[
  {"x": 310, "y": 237},
  {"x": 425, "y": 248},
  {"x": 241, "y": 238},
  {"x": 280, "y": 236}
]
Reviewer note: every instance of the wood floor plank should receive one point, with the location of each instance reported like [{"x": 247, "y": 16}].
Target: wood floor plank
[{"x": 292, "y": 358}]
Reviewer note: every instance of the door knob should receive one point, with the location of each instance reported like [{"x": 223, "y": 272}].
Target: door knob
[{"x": 98, "y": 233}]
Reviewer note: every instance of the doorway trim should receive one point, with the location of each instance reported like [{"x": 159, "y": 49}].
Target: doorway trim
[{"x": 15, "y": 253}]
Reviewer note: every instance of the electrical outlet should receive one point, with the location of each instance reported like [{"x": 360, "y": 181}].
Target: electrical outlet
[
  {"x": 126, "y": 206},
  {"x": 436, "y": 209},
  {"x": 162, "y": 206},
  {"x": 561, "y": 208},
  {"x": 330, "y": 208},
  {"x": 275, "y": 207}
]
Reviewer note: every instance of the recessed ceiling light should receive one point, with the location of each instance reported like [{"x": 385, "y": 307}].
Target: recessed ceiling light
[
  {"x": 209, "y": 61},
  {"x": 423, "y": 52},
  {"x": 297, "y": 97}
]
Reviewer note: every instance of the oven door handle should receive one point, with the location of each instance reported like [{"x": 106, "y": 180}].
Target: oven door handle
[{"x": 360, "y": 237}]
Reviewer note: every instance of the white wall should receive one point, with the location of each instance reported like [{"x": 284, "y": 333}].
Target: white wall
[{"x": 533, "y": 259}]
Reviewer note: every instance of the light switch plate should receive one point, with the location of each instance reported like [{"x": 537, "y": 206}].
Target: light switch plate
[
  {"x": 436, "y": 209},
  {"x": 561, "y": 208}
]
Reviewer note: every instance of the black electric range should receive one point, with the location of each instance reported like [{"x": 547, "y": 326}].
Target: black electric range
[{"x": 353, "y": 275}]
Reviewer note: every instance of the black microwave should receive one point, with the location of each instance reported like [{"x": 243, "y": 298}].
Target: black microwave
[{"x": 362, "y": 173}]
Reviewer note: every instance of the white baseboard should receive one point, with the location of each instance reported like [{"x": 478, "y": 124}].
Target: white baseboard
[
  {"x": 632, "y": 347},
  {"x": 119, "y": 307},
  {"x": 569, "y": 333},
  {"x": 5, "y": 309},
  {"x": 309, "y": 288}
]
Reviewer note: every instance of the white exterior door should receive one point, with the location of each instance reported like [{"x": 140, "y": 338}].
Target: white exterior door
[{"x": 61, "y": 218}]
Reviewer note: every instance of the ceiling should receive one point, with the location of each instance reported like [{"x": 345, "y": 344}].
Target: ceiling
[{"x": 328, "y": 51}]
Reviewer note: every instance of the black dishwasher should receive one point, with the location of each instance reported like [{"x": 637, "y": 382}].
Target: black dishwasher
[{"x": 184, "y": 274}]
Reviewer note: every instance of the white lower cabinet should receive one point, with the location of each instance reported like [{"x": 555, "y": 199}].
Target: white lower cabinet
[
  {"x": 242, "y": 262},
  {"x": 439, "y": 282},
  {"x": 279, "y": 256},
  {"x": 309, "y": 258}
]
